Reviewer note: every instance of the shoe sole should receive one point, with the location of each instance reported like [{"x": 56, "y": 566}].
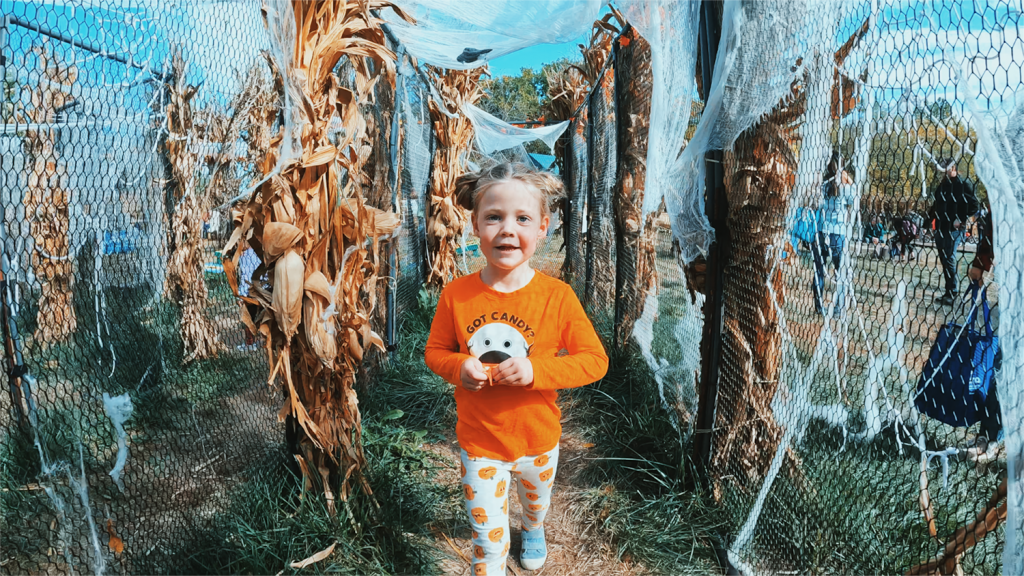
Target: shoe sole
[{"x": 534, "y": 564}]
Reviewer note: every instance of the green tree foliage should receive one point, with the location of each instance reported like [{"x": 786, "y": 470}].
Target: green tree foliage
[{"x": 896, "y": 180}]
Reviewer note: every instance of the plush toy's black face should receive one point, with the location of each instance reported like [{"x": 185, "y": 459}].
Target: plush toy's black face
[{"x": 496, "y": 342}]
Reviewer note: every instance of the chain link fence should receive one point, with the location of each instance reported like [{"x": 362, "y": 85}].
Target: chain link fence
[
  {"x": 844, "y": 439},
  {"x": 119, "y": 446},
  {"x": 829, "y": 452}
]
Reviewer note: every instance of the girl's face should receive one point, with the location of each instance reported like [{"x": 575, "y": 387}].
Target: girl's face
[{"x": 509, "y": 222}]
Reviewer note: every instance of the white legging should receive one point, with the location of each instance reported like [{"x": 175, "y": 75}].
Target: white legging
[{"x": 485, "y": 491}]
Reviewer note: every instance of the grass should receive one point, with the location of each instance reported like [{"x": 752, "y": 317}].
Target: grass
[
  {"x": 274, "y": 521},
  {"x": 640, "y": 485}
]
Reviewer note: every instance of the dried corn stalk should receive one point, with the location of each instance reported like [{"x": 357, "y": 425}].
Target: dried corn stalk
[
  {"x": 185, "y": 279},
  {"x": 760, "y": 174},
  {"x": 318, "y": 240},
  {"x": 203, "y": 140},
  {"x": 636, "y": 275},
  {"x": 263, "y": 110},
  {"x": 445, "y": 219},
  {"x": 46, "y": 202}
]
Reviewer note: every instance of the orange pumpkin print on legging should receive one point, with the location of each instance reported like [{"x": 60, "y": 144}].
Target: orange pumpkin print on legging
[
  {"x": 467, "y": 490},
  {"x": 488, "y": 472},
  {"x": 535, "y": 507},
  {"x": 531, "y": 517},
  {"x": 463, "y": 468},
  {"x": 508, "y": 545},
  {"x": 546, "y": 475},
  {"x": 476, "y": 536},
  {"x": 496, "y": 534},
  {"x": 480, "y": 569},
  {"x": 527, "y": 484},
  {"x": 479, "y": 515},
  {"x": 504, "y": 507},
  {"x": 500, "y": 490},
  {"x": 540, "y": 460},
  {"x": 532, "y": 497},
  {"x": 478, "y": 551}
]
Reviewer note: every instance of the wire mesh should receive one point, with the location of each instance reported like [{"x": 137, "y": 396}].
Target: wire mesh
[
  {"x": 829, "y": 451},
  {"x": 834, "y": 448},
  {"x": 121, "y": 446}
]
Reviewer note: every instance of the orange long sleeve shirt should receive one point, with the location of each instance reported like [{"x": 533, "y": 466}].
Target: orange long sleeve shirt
[{"x": 542, "y": 318}]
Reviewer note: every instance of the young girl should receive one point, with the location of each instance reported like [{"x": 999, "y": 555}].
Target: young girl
[{"x": 498, "y": 336}]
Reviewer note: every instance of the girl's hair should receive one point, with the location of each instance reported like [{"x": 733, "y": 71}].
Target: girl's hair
[{"x": 470, "y": 186}]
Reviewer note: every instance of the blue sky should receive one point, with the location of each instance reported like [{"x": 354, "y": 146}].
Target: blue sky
[
  {"x": 534, "y": 57},
  {"x": 910, "y": 49}
]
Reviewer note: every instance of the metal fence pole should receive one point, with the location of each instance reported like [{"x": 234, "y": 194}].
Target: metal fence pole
[
  {"x": 717, "y": 210},
  {"x": 392, "y": 284}
]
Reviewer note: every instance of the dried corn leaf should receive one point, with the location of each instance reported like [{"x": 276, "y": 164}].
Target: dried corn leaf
[{"x": 278, "y": 237}]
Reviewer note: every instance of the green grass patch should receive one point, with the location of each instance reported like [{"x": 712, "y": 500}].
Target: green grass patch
[
  {"x": 640, "y": 481},
  {"x": 273, "y": 521}
]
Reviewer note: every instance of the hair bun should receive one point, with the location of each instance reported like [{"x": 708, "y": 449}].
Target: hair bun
[{"x": 465, "y": 186}]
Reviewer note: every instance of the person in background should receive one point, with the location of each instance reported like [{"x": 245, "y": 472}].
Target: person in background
[
  {"x": 906, "y": 230},
  {"x": 837, "y": 191},
  {"x": 986, "y": 447},
  {"x": 875, "y": 235},
  {"x": 954, "y": 202}
]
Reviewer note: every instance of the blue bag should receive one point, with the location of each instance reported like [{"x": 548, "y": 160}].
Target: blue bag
[{"x": 958, "y": 374}]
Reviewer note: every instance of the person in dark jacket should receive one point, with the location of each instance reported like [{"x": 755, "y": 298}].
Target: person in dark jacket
[{"x": 954, "y": 203}]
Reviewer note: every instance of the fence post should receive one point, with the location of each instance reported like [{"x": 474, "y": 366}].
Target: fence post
[
  {"x": 576, "y": 162},
  {"x": 599, "y": 293},
  {"x": 717, "y": 210},
  {"x": 395, "y": 179}
]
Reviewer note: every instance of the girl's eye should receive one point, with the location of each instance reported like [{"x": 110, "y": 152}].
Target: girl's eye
[
  {"x": 493, "y": 218},
  {"x": 524, "y": 218}
]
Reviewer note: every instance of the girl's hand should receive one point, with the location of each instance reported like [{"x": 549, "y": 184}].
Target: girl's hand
[
  {"x": 473, "y": 375},
  {"x": 513, "y": 372}
]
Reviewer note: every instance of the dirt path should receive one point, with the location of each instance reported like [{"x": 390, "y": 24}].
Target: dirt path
[{"x": 575, "y": 544}]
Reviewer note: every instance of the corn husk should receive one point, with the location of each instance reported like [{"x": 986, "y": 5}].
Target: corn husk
[
  {"x": 46, "y": 202},
  {"x": 445, "y": 220},
  {"x": 316, "y": 317}
]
